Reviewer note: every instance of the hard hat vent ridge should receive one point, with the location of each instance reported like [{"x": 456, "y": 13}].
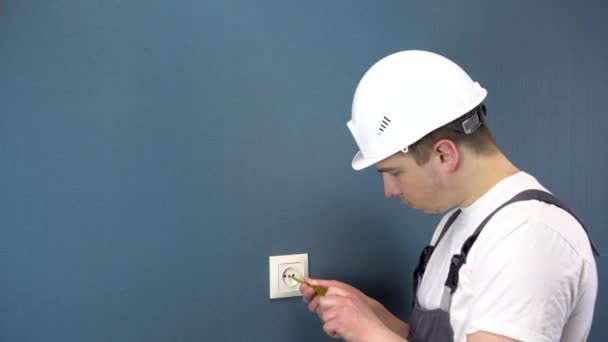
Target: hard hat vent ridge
[{"x": 383, "y": 125}]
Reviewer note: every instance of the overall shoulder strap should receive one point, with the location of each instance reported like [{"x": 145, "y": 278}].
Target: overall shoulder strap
[
  {"x": 447, "y": 225},
  {"x": 425, "y": 256},
  {"x": 460, "y": 259}
]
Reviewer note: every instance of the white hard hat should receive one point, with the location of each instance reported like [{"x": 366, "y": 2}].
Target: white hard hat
[{"x": 405, "y": 96}]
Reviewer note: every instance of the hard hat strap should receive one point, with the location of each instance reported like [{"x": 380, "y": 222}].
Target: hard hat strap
[{"x": 469, "y": 122}]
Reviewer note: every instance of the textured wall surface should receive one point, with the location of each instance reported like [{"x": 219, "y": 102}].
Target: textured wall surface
[{"x": 153, "y": 154}]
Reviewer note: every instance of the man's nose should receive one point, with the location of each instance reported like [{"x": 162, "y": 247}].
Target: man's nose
[{"x": 390, "y": 188}]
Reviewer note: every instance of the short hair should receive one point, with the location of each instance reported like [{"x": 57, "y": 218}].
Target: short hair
[{"x": 480, "y": 141}]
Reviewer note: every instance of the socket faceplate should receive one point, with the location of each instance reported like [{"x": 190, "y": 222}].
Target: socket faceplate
[{"x": 282, "y": 268}]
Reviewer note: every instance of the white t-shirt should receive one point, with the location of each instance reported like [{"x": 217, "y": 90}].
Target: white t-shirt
[{"x": 530, "y": 276}]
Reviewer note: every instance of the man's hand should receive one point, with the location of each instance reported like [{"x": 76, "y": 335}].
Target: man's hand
[{"x": 347, "y": 312}]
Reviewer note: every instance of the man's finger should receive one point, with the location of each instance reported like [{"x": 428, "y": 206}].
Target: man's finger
[
  {"x": 339, "y": 291},
  {"x": 307, "y": 294},
  {"x": 324, "y": 283},
  {"x": 328, "y": 315},
  {"x": 330, "y": 329},
  {"x": 320, "y": 305},
  {"x": 328, "y": 302},
  {"x": 313, "y": 304}
]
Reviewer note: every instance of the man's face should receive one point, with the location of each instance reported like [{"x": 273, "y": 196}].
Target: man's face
[{"x": 417, "y": 186}]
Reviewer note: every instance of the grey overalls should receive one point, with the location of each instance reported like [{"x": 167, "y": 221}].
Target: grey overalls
[{"x": 434, "y": 325}]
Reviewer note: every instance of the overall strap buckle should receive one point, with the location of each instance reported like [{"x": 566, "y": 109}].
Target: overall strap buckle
[
  {"x": 455, "y": 264},
  {"x": 423, "y": 260},
  {"x": 425, "y": 256}
]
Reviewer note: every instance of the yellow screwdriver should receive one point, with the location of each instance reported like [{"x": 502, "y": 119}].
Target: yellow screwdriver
[{"x": 321, "y": 291}]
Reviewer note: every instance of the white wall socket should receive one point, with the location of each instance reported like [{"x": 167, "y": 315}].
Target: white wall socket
[{"x": 282, "y": 270}]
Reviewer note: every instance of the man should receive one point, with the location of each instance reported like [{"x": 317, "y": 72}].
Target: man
[{"x": 508, "y": 262}]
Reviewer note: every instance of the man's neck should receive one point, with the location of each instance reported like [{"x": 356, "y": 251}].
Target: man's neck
[{"x": 483, "y": 174}]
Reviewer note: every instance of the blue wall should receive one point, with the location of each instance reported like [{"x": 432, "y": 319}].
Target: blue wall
[{"x": 153, "y": 154}]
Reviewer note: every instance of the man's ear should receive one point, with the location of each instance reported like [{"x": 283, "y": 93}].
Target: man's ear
[{"x": 447, "y": 153}]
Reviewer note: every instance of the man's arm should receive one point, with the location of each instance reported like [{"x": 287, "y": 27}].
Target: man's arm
[
  {"x": 482, "y": 336},
  {"x": 391, "y": 321}
]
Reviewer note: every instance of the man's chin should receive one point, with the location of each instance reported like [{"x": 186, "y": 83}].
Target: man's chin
[
  {"x": 430, "y": 211},
  {"x": 433, "y": 211},
  {"x": 408, "y": 203}
]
